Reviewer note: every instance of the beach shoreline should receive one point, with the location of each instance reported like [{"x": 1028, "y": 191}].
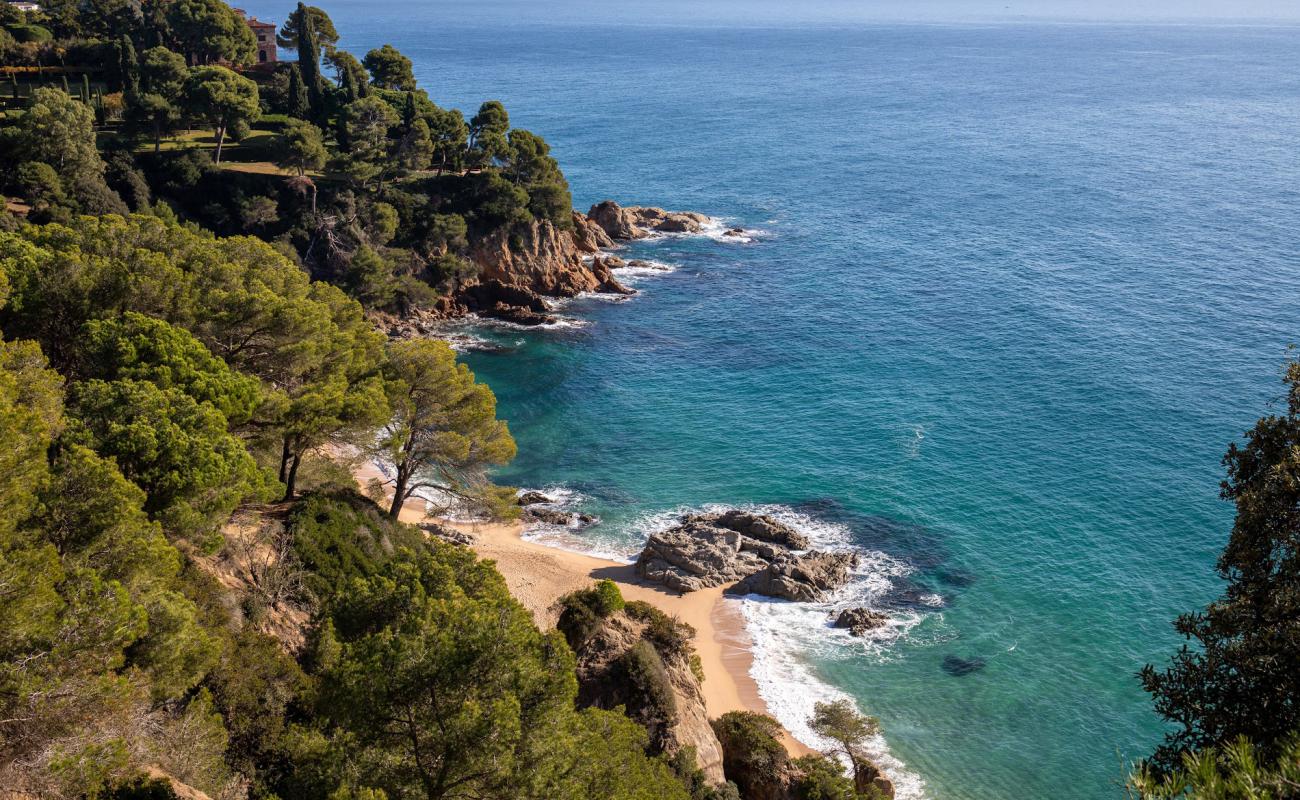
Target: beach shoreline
[{"x": 538, "y": 575}]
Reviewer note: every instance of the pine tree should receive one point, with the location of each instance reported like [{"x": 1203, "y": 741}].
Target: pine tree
[{"x": 408, "y": 112}]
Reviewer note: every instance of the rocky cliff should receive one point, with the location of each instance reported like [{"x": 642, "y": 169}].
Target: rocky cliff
[{"x": 641, "y": 659}]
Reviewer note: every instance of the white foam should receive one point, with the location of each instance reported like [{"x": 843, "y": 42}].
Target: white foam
[
  {"x": 573, "y": 537},
  {"x": 560, "y": 323}
]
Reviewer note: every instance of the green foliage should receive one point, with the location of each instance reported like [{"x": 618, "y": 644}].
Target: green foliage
[
  {"x": 1243, "y": 678},
  {"x": 444, "y": 432},
  {"x": 1235, "y": 771},
  {"x": 583, "y": 612},
  {"x": 389, "y": 69},
  {"x": 487, "y": 133},
  {"x": 340, "y": 535},
  {"x": 532, "y": 167},
  {"x": 222, "y": 98},
  {"x": 141, "y": 348},
  {"x": 752, "y": 753},
  {"x": 163, "y": 73},
  {"x": 60, "y": 132},
  {"x": 177, "y": 449},
  {"x": 443, "y": 680},
  {"x": 649, "y": 684},
  {"x": 207, "y": 31},
  {"x": 820, "y": 778},
  {"x": 367, "y": 122},
  {"x": 302, "y": 148},
  {"x": 297, "y": 105},
  {"x": 321, "y": 24},
  {"x": 670, "y": 635}
]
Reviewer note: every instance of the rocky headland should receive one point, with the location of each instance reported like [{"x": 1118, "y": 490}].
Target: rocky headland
[{"x": 520, "y": 269}]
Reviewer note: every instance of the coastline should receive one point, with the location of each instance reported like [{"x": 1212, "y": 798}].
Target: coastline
[{"x": 539, "y": 574}]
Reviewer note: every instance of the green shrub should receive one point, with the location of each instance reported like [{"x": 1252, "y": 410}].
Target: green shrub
[
  {"x": 649, "y": 684},
  {"x": 670, "y": 635},
  {"x": 584, "y": 612},
  {"x": 752, "y": 753},
  {"x": 608, "y": 599},
  {"x": 29, "y": 33},
  {"x": 822, "y": 778},
  {"x": 340, "y": 535}
]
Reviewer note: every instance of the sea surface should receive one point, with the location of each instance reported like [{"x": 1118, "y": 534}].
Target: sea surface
[{"x": 1007, "y": 293}]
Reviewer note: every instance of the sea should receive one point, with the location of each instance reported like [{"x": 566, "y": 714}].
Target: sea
[{"x": 1006, "y": 292}]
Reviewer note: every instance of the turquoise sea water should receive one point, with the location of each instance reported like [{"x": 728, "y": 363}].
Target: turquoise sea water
[{"x": 1013, "y": 290}]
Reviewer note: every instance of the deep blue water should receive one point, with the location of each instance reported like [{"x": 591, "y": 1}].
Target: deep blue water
[{"x": 1017, "y": 288}]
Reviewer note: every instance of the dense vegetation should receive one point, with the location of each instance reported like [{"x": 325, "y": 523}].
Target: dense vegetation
[
  {"x": 155, "y": 108},
  {"x": 189, "y": 586}
]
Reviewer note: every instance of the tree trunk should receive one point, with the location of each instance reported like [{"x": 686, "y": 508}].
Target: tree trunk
[
  {"x": 221, "y": 137},
  {"x": 293, "y": 477},
  {"x": 399, "y": 493},
  {"x": 285, "y": 453}
]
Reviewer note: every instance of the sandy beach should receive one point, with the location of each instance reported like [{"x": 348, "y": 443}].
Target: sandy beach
[{"x": 539, "y": 575}]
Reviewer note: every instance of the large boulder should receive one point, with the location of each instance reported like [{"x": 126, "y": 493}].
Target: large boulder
[
  {"x": 637, "y": 222},
  {"x": 762, "y": 528},
  {"x": 748, "y": 552},
  {"x": 696, "y": 554},
  {"x": 860, "y": 621},
  {"x": 802, "y": 578}
]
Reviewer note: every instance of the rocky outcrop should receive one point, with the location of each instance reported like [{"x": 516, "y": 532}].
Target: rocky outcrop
[
  {"x": 753, "y": 552},
  {"x": 532, "y": 498},
  {"x": 614, "y": 660},
  {"x": 860, "y": 621},
  {"x": 504, "y": 301},
  {"x": 802, "y": 578},
  {"x": 867, "y": 777},
  {"x": 544, "y": 259},
  {"x": 552, "y": 516},
  {"x": 637, "y": 222},
  {"x": 447, "y": 534}
]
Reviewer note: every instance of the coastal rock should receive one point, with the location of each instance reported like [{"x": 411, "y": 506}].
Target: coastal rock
[
  {"x": 603, "y": 681},
  {"x": 588, "y": 236},
  {"x": 734, "y": 232},
  {"x": 868, "y": 777},
  {"x": 616, "y": 221},
  {"x": 697, "y": 554},
  {"x": 601, "y": 270},
  {"x": 752, "y": 551},
  {"x": 860, "y": 620},
  {"x": 763, "y": 528},
  {"x": 637, "y": 222},
  {"x": 504, "y": 301},
  {"x": 533, "y": 498},
  {"x": 551, "y": 516},
  {"x": 539, "y": 257},
  {"x": 447, "y": 534},
  {"x": 802, "y": 578}
]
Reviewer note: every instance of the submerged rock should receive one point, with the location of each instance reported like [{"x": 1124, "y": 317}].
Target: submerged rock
[
  {"x": 958, "y": 666},
  {"x": 860, "y": 620},
  {"x": 734, "y": 232}
]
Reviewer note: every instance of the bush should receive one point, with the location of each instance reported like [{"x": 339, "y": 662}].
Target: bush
[
  {"x": 822, "y": 778},
  {"x": 341, "y": 535},
  {"x": 670, "y": 635},
  {"x": 584, "y": 611},
  {"x": 649, "y": 684},
  {"x": 752, "y": 753}
]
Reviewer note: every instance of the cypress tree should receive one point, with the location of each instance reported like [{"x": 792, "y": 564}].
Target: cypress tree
[
  {"x": 298, "y": 104},
  {"x": 408, "y": 112},
  {"x": 309, "y": 63},
  {"x": 85, "y": 88},
  {"x": 66, "y": 90},
  {"x": 349, "y": 86},
  {"x": 128, "y": 67}
]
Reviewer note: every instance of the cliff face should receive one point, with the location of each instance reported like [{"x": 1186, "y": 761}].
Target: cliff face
[
  {"x": 628, "y": 662},
  {"x": 546, "y": 259}
]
